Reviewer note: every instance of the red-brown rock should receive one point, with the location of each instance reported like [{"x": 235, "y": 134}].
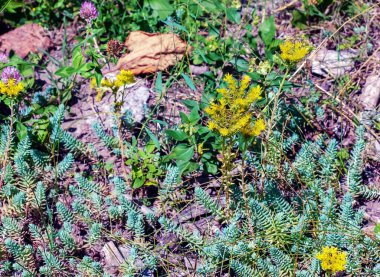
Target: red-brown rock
[{"x": 25, "y": 39}]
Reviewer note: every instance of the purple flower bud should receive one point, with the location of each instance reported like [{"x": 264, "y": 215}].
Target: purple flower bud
[
  {"x": 3, "y": 58},
  {"x": 88, "y": 11},
  {"x": 10, "y": 72}
]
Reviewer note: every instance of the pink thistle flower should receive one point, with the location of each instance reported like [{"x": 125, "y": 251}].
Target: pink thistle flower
[
  {"x": 10, "y": 72},
  {"x": 88, "y": 11}
]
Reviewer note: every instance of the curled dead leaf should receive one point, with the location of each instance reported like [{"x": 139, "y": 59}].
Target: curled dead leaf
[{"x": 148, "y": 53}]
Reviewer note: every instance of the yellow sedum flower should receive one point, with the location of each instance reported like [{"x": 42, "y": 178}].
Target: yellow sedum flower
[
  {"x": 294, "y": 51},
  {"x": 93, "y": 83},
  {"x": 232, "y": 113},
  {"x": 254, "y": 130},
  {"x": 125, "y": 77},
  {"x": 11, "y": 88},
  {"x": 106, "y": 82},
  {"x": 332, "y": 260}
]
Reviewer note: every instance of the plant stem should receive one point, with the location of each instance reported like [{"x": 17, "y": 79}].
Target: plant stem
[
  {"x": 226, "y": 168},
  {"x": 244, "y": 186},
  {"x": 120, "y": 135},
  {"x": 270, "y": 122}
]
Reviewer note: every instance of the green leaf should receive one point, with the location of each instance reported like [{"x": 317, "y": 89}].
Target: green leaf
[
  {"x": 177, "y": 135},
  {"x": 4, "y": 5},
  {"x": 188, "y": 81},
  {"x": 299, "y": 19},
  {"x": 377, "y": 229},
  {"x": 22, "y": 130},
  {"x": 187, "y": 167},
  {"x": 138, "y": 183},
  {"x": 182, "y": 152},
  {"x": 233, "y": 15},
  {"x": 184, "y": 117},
  {"x": 175, "y": 25},
  {"x": 211, "y": 168},
  {"x": 78, "y": 59},
  {"x": 240, "y": 64},
  {"x": 65, "y": 72},
  {"x": 191, "y": 104},
  {"x": 11, "y": 6},
  {"x": 194, "y": 115},
  {"x": 158, "y": 85},
  {"x": 161, "y": 8},
  {"x": 267, "y": 31},
  {"x": 153, "y": 138}
]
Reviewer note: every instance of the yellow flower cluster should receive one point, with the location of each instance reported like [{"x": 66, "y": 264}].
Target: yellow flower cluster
[
  {"x": 332, "y": 260},
  {"x": 232, "y": 113},
  {"x": 11, "y": 88},
  {"x": 125, "y": 77},
  {"x": 254, "y": 129},
  {"x": 294, "y": 51}
]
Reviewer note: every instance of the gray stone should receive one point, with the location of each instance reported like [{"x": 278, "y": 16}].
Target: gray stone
[
  {"x": 370, "y": 95},
  {"x": 332, "y": 63}
]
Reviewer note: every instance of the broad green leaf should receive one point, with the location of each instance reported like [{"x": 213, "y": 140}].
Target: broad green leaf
[
  {"x": 211, "y": 168},
  {"x": 194, "y": 115},
  {"x": 187, "y": 167},
  {"x": 182, "y": 152},
  {"x": 78, "y": 59},
  {"x": 233, "y": 15},
  {"x": 184, "y": 117},
  {"x": 161, "y": 8},
  {"x": 191, "y": 104},
  {"x": 299, "y": 19},
  {"x": 138, "y": 183},
  {"x": 240, "y": 64},
  {"x": 267, "y": 31},
  {"x": 176, "y": 134},
  {"x": 65, "y": 72},
  {"x": 22, "y": 130}
]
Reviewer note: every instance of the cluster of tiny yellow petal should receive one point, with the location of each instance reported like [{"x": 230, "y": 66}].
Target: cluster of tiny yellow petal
[
  {"x": 125, "y": 77},
  {"x": 11, "y": 88},
  {"x": 254, "y": 129},
  {"x": 332, "y": 260},
  {"x": 292, "y": 51},
  {"x": 232, "y": 113}
]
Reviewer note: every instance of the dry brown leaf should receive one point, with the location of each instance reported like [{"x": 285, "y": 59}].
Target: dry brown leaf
[{"x": 148, "y": 53}]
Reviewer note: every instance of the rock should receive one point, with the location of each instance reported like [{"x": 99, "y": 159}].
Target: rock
[
  {"x": 112, "y": 255},
  {"x": 135, "y": 99},
  {"x": 370, "y": 95},
  {"x": 86, "y": 111},
  {"x": 372, "y": 149},
  {"x": 372, "y": 211},
  {"x": 198, "y": 70},
  {"x": 25, "y": 39},
  {"x": 332, "y": 63}
]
